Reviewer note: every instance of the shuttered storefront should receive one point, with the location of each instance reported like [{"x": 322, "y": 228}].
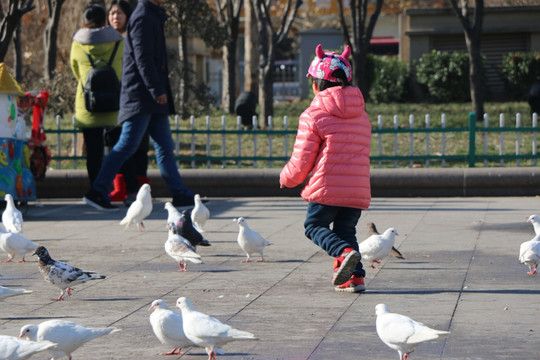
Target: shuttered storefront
[{"x": 494, "y": 47}]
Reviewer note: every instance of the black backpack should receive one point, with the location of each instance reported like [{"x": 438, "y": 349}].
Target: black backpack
[{"x": 102, "y": 89}]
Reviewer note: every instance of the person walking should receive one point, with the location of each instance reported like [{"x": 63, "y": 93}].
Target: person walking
[
  {"x": 94, "y": 43},
  {"x": 145, "y": 105},
  {"x": 133, "y": 173},
  {"x": 333, "y": 145}
]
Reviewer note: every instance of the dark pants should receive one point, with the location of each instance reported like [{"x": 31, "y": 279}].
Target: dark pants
[
  {"x": 93, "y": 142},
  {"x": 343, "y": 232},
  {"x": 137, "y": 164}
]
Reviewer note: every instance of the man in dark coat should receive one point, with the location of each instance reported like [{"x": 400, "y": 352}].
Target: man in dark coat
[{"x": 145, "y": 103}]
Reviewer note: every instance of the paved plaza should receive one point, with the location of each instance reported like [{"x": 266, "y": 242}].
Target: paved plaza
[{"x": 460, "y": 273}]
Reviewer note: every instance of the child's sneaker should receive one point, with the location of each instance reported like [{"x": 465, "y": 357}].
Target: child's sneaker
[
  {"x": 354, "y": 285},
  {"x": 345, "y": 265}
]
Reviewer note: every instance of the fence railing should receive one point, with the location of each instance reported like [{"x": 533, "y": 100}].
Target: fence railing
[{"x": 401, "y": 145}]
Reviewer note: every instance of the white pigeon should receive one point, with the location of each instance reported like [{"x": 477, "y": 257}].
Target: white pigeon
[
  {"x": 173, "y": 215},
  {"x": 529, "y": 254},
  {"x": 402, "y": 333},
  {"x": 139, "y": 209},
  {"x": 7, "y": 292},
  {"x": 250, "y": 241},
  {"x": 61, "y": 275},
  {"x": 376, "y": 247},
  {"x": 372, "y": 230},
  {"x": 12, "y": 218},
  {"x": 206, "y": 331},
  {"x": 13, "y": 244},
  {"x": 68, "y": 335},
  {"x": 12, "y": 348},
  {"x": 200, "y": 213},
  {"x": 181, "y": 250},
  {"x": 167, "y": 326},
  {"x": 535, "y": 221}
]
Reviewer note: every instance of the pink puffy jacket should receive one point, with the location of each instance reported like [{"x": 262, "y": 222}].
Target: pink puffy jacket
[{"x": 333, "y": 144}]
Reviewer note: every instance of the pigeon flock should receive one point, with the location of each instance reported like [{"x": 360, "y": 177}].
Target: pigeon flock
[{"x": 185, "y": 326}]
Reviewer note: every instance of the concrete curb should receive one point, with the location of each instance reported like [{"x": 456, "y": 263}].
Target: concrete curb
[{"x": 448, "y": 182}]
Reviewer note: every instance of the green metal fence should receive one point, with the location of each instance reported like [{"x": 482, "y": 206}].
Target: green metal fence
[{"x": 217, "y": 144}]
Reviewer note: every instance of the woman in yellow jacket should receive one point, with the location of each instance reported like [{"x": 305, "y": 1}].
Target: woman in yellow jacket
[{"x": 99, "y": 41}]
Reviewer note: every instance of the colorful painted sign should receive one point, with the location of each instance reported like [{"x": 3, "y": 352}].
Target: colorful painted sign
[{"x": 16, "y": 178}]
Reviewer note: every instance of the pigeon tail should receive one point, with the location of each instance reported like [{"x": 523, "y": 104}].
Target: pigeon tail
[
  {"x": 241, "y": 335},
  {"x": 97, "y": 332},
  {"x": 427, "y": 334}
]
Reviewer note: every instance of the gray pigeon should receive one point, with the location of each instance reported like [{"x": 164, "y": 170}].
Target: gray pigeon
[
  {"x": 61, "y": 275},
  {"x": 372, "y": 230},
  {"x": 185, "y": 228}
]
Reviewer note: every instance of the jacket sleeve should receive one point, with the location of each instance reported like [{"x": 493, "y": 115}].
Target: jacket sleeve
[
  {"x": 117, "y": 61},
  {"x": 73, "y": 60},
  {"x": 306, "y": 149},
  {"x": 144, "y": 43}
]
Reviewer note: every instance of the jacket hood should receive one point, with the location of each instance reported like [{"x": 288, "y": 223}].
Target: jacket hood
[
  {"x": 339, "y": 102},
  {"x": 96, "y": 36}
]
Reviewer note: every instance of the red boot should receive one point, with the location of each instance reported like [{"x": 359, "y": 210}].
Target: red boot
[
  {"x": 119, "y": 193},
  {"x": 143, "y": 180}
]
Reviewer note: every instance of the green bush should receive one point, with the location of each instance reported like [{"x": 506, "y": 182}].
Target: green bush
[
  {"x": 518, "y": 72},
  {"x": 445, "y": 76},
  {"x": 390, "y": 77}
]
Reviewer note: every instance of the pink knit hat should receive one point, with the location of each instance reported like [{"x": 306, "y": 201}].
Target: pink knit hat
[{"x": 324, "y": 64}]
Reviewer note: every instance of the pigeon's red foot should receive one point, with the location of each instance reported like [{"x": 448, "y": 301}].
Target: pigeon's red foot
[
  {"x": 533, "y": 272},
  {"x": 246, "y": 261},
  {"x": 21, "y": 261},
  {"x": 175, "y": 351},
  {"x": 6, "y": 261},
  {"x": 260, "y": 260}
]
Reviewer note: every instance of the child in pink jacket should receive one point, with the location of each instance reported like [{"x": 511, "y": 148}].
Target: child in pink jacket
[{"x": 333, "y": 145}]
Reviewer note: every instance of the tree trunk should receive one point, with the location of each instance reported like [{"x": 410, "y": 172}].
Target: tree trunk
[
  {"x": 50, "y": 36},
  {"x": 229, "y": 68},
  {"x": 266, "y": 88},
  {"x": 184, "y": 73},
  {"x": 251, "y": 43},
  {"x": 475, "y": 77},
  {"x": 473, "y": 35},
  {"x": 18, "y": 54}
]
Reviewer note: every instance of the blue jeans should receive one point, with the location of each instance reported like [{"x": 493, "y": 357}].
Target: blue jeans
[
  {"x": 343, "y": 232},
  {"x": 132, "y": 133}
]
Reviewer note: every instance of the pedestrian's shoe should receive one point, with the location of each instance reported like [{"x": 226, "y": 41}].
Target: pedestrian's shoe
[
  {"x": 345, "y": 265},
  {"x": 98, "y": 201},
  {"x": 181, "y": 201},
  {"x": 354, "y": 285},
  {"x": 119, "y": 193}
]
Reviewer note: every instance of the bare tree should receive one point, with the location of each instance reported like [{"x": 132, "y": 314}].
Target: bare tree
[
  {"x": 472, "y": 20},
  {"x": 10, "y": 21},
  {"x": 251, "y": 46},
  {"x": 268, "y": 39},
  {"x": 229, "y": 16},
  {"x": 357, "y": 34},
  {"x": 192, "y": 18},
  {"x": 50, "y": 36}
]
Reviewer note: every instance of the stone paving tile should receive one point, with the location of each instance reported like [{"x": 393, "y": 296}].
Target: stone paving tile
[{"x": 460, "y": 273}]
